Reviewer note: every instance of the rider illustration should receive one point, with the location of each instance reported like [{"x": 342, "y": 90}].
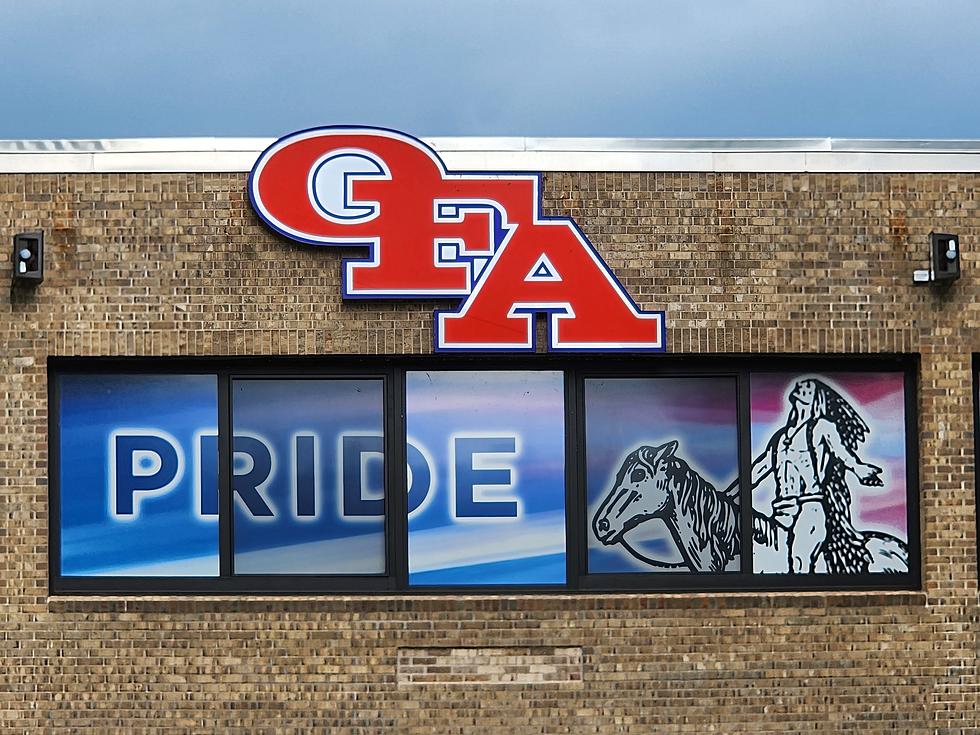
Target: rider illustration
[{"x": 809, "y": 458}]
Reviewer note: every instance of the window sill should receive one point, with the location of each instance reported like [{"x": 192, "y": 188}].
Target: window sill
[{"x": 319, "y": 602}]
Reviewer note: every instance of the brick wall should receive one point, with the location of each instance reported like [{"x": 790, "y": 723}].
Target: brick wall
[{"x": 176, "y": 264}]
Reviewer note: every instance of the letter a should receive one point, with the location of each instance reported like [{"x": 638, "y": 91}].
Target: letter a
[{"x": 588, "y": 308}]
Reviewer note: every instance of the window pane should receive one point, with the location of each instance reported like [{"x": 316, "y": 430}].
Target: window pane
[
  {"x": 487, "y": 478},
  {"x": 308, "y": 476},
  {"x": 662, "y": 466},
  {"x": 136, "y": 475},
  {"x": 829, "y": 463}
]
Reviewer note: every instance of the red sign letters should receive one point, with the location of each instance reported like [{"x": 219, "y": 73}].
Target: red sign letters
[{"x": 430, "y": 233}]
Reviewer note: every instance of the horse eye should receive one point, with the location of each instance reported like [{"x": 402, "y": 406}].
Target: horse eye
[{"x": 637, "y": 475}]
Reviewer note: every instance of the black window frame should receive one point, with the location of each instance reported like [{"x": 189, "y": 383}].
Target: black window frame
[
  {"x": 575, "y": 369},
  {"x": 975, "y": 402}
]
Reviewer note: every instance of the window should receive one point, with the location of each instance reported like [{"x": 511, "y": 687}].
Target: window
[
  {"x": 829, "y": 473},
  {"x": 308, "y": 476},
  {"x": 976, "y": 445},
  {"x": 493, "y": 446},
  {"x": 662, "y": 474},
  {"x": 131, "y": 469},
  {"x": 428, "y": 474}
]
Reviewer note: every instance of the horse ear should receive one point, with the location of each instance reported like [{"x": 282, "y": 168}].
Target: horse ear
[{"x": 666, "y": 451}]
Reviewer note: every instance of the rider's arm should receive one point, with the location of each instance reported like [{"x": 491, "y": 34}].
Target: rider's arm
[
  {"x": 826, "y": 432},
  {"x": 763, "y": 464},
  {"x": 761, "y": 467}
]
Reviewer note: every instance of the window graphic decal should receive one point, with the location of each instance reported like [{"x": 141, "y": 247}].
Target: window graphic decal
[
  {"x": 308, "y": 476},
  {"x": 493, "y": 444},
  {"x": 357, "y": 474},
  {"x": 662, "y": 467},
  {"x": 132, "y": 464},
  {"x": 829, "y": 473}
]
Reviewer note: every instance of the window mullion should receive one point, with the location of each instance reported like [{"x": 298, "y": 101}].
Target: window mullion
[
  {"x": 225, "y": 541},
  {"x": 576, "y": 538},
  {"x": 745, "y": 468},
  {"x": 396, "y": 480}
]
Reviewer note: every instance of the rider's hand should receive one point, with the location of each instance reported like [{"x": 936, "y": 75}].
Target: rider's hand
[
  {"x": 869, "y": 474},
  {"x": 785, "y": 510}
]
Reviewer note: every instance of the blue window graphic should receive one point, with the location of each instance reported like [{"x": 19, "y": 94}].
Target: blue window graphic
[
  {"x": 486, "y": 454},
  {"x": 135, "y": 475},
  {"x": 308, "y": 476}
]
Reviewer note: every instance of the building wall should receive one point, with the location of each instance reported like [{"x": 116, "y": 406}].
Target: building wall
[{"x": 177, "y": 264}]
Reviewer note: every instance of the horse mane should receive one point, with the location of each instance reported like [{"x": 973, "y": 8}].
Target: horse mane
[{"x": 714, "y": 514}]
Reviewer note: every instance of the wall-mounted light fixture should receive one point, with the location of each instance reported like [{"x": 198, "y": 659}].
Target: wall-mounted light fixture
[
  {"x": 944, "y": 261},
  {"x": 29, "y": 258}
]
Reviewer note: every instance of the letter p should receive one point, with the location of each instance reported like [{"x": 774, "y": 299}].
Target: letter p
[{"x": 142, "y": 463}]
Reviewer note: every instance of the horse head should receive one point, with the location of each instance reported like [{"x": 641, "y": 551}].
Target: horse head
[{"x": 641, "y": 492}]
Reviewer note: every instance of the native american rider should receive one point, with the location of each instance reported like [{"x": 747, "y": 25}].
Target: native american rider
[{"x": 809, "y": 459}]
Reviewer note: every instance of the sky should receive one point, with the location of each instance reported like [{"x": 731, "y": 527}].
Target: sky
[{"x": 609, "y": 68}]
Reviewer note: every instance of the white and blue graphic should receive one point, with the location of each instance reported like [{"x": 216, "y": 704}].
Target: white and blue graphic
[
  {"x": 493, "y": 445},
  {"x": 641, "y": 519},
  {"x": 131, "y": 473},
  {"x": 308, "y": 476}
]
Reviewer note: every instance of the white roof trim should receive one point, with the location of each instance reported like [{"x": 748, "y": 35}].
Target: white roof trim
[{"x": 209, "y": 155}]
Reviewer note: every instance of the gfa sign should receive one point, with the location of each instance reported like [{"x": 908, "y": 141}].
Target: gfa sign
[{"x": 430, "y": 233}]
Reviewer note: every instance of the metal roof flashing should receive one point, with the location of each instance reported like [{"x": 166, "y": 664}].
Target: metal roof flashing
[{"x": 722, "y": 155}]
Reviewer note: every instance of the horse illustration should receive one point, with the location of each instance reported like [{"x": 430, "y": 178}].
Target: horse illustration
[{"x": 653, "y": 482}]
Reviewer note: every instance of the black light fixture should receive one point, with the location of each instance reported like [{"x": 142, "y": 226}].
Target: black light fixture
[
  {"x": 29, "y": 257},
  {"x": 944, "y": 261}
]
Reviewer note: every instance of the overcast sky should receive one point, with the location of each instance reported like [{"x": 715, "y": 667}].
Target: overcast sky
[{"x": 727, "y": 68}]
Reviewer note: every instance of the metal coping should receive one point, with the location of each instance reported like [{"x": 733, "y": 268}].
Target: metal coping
[{"x": 733, "y": 155}]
